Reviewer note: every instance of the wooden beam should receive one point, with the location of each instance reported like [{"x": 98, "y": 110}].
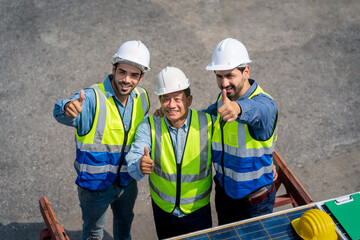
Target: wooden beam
[
  {"x": 293, "y": 187},
  {"x": 54, "y": 230}
]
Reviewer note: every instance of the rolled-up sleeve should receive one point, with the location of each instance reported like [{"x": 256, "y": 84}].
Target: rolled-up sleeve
[
  {"x": 83, "y": 122},
  {"x": 59, "y": 113},
  {"x": 142, "y": 140}
]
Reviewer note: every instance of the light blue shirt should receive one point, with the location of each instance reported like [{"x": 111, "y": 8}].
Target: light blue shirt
[
  {"x": 259, "y": 112},
  {"x": 83, "y": 122},
  {"x": 143, "y": 139}
]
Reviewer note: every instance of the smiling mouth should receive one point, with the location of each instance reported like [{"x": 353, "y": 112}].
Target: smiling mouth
[
  {"x": 171, "y": 112},
  {"x": 229, "y": 89},
  {"x": 125, "y": 85}
]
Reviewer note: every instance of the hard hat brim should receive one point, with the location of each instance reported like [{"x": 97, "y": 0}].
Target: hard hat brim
[
  {"x": 219, "y": 68},
  {"x": 212, "y": 67},
  {"x": 295, "y": 224},
  {"x": 160, "y": 93},
  {"x": 139, "y": 66}
]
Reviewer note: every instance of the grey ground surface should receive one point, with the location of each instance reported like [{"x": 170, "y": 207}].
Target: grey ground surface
[{"x": 306, "y": 54}]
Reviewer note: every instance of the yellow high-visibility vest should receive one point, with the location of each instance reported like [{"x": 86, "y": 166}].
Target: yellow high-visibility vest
[
  {"x": 186, "y": 185},
  {"x": 99, "y": 152},
  {"x": 242, "y": 163}
]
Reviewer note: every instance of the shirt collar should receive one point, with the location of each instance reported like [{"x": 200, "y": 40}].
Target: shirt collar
[
  {"x": 109, "y": 91},
  {"x": 250, "y": 91}
]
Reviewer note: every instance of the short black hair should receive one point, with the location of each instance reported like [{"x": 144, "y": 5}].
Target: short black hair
[
  {"x": 116, "y": 65},
  {"x": 241, "y": 69},
  {"x": 187, "y": 92}
]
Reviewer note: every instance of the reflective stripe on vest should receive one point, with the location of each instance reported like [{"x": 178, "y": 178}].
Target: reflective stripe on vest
[
  {"x": 98, "y": 153},
  {"x": 245, "y": 164},
  {"x": 188, "y": 184}
]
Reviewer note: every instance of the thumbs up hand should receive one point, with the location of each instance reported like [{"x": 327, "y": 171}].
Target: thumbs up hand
[
  {"x": 73, "y": 108},
  {"x": 230, "y": 110},
  {"x": 146, "y": 164}
]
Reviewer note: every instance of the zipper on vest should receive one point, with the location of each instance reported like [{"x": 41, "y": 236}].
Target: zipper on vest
[
  {"x": 178, "y": 170},
  {"x": 222, "y": 124},
  {"x": 178, "y": 185},
  {"x": 122, "y": 156}
]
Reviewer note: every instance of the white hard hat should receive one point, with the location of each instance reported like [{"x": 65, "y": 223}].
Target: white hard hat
[
  {"x": 171, "y": 79},
  {"x": 228, "y": 54},
  {"x": 134, "y": 53}
]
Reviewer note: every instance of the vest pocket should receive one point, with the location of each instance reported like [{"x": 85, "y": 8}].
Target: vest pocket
[{"x": 116, "y": 126}]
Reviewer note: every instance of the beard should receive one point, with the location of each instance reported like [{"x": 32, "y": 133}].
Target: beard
[
  {"x": 232, "y": 91},
  {"x": 123, "y": 88}
]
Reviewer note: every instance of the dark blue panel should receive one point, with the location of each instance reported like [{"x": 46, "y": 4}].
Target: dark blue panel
[
  {"x": 297, "y": 214},
  {"x": 252, "y": 230},
  {"x": 226, "y": 233},
  {"x": 276, "y": 227}
]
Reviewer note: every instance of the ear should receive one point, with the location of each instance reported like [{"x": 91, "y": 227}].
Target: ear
[
  {"x": 113, "y": 69},
  {"x": 190, "y": 98},
  {"x": 141, "y": 76},
  {"x": 247, "y": 72}
]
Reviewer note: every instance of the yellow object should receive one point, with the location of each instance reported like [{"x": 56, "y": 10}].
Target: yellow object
[
  {"x": 315, "y": 224},
  {"x": 192, "y": 184}
]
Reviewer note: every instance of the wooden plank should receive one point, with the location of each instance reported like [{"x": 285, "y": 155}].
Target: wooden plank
[
  {"x": 295, "y": 192},
  {"x": 55, "y": 230}
]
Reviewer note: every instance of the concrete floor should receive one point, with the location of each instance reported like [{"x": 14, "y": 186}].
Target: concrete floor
[{"x": 306, "y": 54}]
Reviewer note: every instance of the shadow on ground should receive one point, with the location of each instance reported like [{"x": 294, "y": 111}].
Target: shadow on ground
[{"x": 31, "y": 231}]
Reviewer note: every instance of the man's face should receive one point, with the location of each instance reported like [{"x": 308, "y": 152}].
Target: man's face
[
  {"x": 126, "y": 78},
  {"x": 175, "y": 107},
  {"x": 232, "y": 81}
]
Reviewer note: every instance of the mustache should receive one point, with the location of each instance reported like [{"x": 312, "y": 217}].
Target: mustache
[
  {"x": 124, "y": 83},
  {"x": 228, "y": 86}
]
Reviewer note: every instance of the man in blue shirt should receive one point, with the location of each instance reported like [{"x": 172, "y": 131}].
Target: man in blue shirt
[
  {"x": 175, "y": 150},
  {"x": 105, "y": 117},
  {"x": 243, "y": 139}
]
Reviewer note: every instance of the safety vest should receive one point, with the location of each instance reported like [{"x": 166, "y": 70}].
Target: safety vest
[
  {"x": 242, "y": 163},
  {"x": 101, "y": 151},
  {"x": 186, "y": 185}
]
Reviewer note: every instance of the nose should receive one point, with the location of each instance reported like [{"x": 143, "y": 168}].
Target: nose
[
  {"x": 172, "y": 103},
  {"x": 224, "y": 82},
  {"x": 127, "y": 78}
]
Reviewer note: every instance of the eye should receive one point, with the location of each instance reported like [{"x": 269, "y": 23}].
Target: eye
[{"x": 120, "y": 71}]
